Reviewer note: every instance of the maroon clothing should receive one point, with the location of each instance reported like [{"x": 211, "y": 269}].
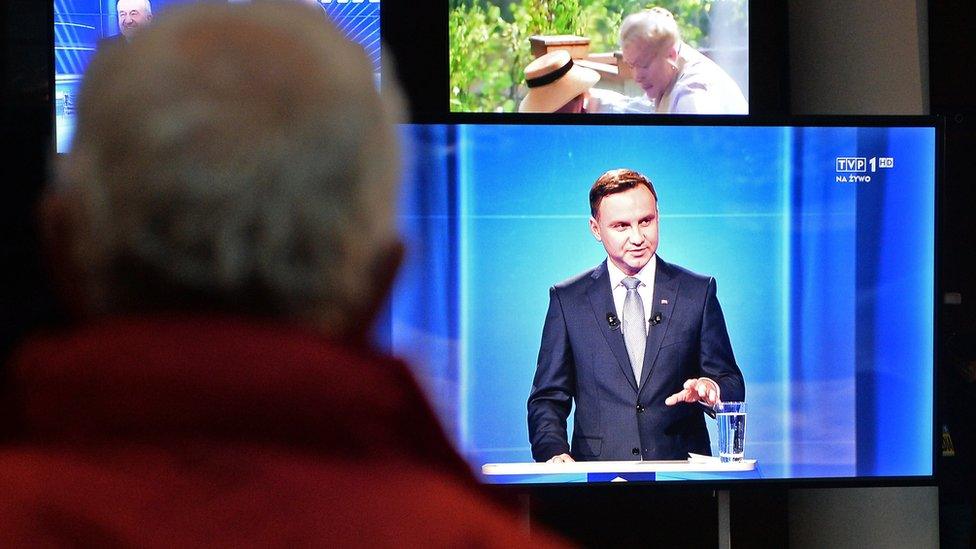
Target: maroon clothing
[{"x": 218, "y": 431}]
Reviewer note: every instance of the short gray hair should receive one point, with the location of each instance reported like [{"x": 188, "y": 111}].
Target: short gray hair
[
  {"x": 655, "y": 27},
  {"x": 145, "y": 4},
  {"x": 239, "y": 154}
]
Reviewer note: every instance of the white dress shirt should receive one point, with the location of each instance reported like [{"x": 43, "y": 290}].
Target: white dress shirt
[
  {"x": 702, "y": 87},
  {"x": 646, "y": 293},
  {"x": 645, "y": 290}
]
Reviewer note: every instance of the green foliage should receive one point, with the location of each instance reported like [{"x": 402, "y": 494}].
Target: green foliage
[
  {"x": 490, "y": 39},
  {"x": 480, "y": 64}
]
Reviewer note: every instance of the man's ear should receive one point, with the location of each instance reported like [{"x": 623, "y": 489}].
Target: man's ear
[
  {"x": 673, "y": 52},
  {"x": 595, "y": 229}
]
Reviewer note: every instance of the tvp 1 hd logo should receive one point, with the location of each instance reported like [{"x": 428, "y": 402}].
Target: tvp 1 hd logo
[{"x": 857, "y": 169}]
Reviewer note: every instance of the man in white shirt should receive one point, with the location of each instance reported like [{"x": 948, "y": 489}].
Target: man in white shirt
[{"x": 635, "y": 343}]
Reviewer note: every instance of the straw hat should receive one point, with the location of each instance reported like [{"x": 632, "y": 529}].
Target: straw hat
[{"x": 554, "y": 80}]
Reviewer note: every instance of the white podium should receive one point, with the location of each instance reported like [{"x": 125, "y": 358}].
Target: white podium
[
  {"x": 680, "y": 466},
  {"x": 618, "y": 471}
]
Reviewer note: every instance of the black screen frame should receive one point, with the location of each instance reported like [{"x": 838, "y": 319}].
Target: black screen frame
[
  {"x": 422, "y": 66},
  {"x": 557, "y": 490}
]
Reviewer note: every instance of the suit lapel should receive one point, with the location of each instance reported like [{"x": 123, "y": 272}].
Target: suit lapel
[
  {"x": 601, "y": 300},
  {"x": 665, "y": 292}
]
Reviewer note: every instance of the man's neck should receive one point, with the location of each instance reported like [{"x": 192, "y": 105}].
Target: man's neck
[{"x": 623, "y": 273}]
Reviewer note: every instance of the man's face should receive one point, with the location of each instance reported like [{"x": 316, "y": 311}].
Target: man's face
[
  {"x": 652, "y": 72},
  {"x": 626, "y": 224},
  {"x": 133, "y": 14}
]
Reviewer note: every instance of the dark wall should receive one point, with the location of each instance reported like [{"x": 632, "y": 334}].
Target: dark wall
[
  {"x": 25, "y": 72},
  {"x": 951, "y": 45}
]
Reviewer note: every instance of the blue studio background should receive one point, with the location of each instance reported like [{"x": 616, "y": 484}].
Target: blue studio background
[
  {"x": 80, "y": 24},
  {"x": 827, "y": 286}
]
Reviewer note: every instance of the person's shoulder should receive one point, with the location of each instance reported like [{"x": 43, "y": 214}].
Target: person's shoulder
[
  {"x": 683, "y": 275},
  {"x": 699, "y": 74},
  {"x": 696, "y": 61},
  {"x": 114, "y": 41},
  {"x": 582, "y": 280}
]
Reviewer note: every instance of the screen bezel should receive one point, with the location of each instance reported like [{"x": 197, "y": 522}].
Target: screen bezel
[{"x": 935, "y": 122}]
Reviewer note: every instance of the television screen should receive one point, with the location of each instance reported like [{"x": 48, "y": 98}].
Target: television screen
[
  {"x": 791, "y": 267},
  {"x": 600, "y": 56},
  {"x": 82, "y": 26}
]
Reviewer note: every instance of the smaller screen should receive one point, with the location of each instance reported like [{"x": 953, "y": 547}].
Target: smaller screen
[
  {"x": 600, "y": 56},
  {"x": 81, "y": 27}
]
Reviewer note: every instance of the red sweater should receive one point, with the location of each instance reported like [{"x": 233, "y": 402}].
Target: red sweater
[{"x": 177, "y": 431}]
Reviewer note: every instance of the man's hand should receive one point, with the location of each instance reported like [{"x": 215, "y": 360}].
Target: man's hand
[
  {"x": 561, "y": 458},
  {"x": 699, "y": 389}
]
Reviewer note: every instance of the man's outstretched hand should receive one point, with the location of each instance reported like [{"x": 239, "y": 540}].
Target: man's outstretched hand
[{"x": 700, "y": 389}]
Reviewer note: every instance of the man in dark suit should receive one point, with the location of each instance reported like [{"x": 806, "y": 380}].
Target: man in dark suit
[{"x": 639, "y": 344}]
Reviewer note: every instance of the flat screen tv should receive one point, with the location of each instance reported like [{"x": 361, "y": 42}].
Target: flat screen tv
[
  {"x": 82, "y": 26},
  {"x": 801, "y": 254}
]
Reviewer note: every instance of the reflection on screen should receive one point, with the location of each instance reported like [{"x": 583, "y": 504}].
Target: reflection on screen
[
  {"x": 820, "y": 240},
  {"x": 83, "y": 26}
]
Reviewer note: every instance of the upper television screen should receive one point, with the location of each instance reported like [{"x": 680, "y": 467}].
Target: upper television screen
[
  {"x": 793, "y": 267},
  {"x": 83, "y": 26},
  {"x": 600, "y": 56}
]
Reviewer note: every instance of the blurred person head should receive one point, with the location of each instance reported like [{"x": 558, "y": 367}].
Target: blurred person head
[
  {"x": 650, "y": 42},
  {"x": 251, "y": 168},
  {"x": 556, "y": 84},
  {"x": 318, "y": 6},
  {"x": 133, "y": 15}
]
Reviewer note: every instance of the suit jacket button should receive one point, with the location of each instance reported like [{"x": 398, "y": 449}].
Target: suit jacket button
[
  {"x": 640, "y": 409},
  {"x": 635, "y": 451}
]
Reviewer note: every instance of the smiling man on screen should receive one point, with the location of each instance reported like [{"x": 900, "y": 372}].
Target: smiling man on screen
[
  {"x": 640, "y": 345},
  {"x": 133, "y": 15}
]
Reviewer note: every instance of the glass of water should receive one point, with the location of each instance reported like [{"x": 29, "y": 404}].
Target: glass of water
[{"x": 731, "y": 418}]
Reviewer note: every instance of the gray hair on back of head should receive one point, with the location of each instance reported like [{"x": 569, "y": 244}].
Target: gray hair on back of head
[{"x": 239, "y": 152}]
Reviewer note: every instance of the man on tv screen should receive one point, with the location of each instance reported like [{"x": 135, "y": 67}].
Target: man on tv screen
[
  {"x": 133, "y": 15},
  {"x": 640, "y": 345},
  {"x": 675, "y": 77}
]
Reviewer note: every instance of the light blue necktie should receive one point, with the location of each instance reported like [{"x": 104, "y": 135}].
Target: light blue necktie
[{"x": 635, "y": 327}]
